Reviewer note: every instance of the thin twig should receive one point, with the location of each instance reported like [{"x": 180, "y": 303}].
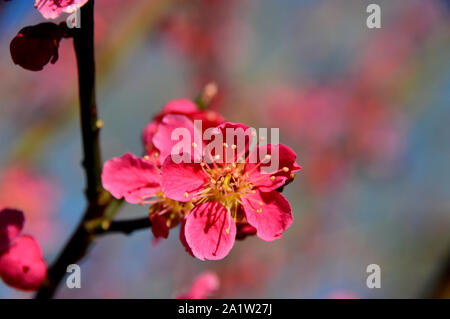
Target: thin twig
[
  {"x": 440, "y": 286},
  {"x": 98, "y": 199},
  {"x": 123, "y": 226}
]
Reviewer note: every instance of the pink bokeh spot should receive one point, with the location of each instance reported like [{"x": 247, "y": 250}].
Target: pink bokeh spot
[
  {"x": 34, "y": 194},
  {"x": 203, "y": 286}
]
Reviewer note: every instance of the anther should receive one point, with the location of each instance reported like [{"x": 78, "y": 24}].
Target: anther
[
  {"x": 186, "y": 195},
  {"x": 272, "y": 178},
  {"x": 194, "y": 145},
  {"x": 285, "y": 169}
]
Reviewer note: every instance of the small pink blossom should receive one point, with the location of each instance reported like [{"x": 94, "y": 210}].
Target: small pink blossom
[
  {"x": 202, "y": 287},
  {"x": 21, "y": 262},
  {"x": 51, "y": 9},
  {"x": 215, "y": 205}
]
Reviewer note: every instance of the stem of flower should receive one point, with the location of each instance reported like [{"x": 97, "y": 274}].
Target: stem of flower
[
  {"x": 439, "y": 288},
  {"x": 98, "y": 200},
  {"x": 123, "y": 226}
]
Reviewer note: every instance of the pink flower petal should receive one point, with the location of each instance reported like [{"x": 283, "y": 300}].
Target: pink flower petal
[
  {"x": 209, "y": 118},
  {"x": 210, "y": 231},
  {"x": 133, "y": 178},
  {"x": 182, "y": 181},
  {"x": 147, "y": 135},
  {"x": 163, "y": 141},
  {"x": 204, "y": 285},
  {"x": 11, "y": 224},
  {"x": 22, "y": 266},
  {"x": 271, "y": 218},
  {"x": 262, "y": 179},
  {"x": 183, "y": 238},
  {"x": 180, "y": 106},
  {"x": 235, "y": 134},
  {"x": 51, "y": 9}
]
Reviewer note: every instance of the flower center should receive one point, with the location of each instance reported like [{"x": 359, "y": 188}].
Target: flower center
[
  {"x": 227, "y": 183},
  {"x": 172, "y": 210}
]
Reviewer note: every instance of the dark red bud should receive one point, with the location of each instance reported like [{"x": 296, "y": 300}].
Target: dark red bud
[
  {"x": 244, "y": 230},
  {"x": 35, "y": 46}
]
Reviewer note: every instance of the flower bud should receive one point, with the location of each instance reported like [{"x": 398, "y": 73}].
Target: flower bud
[{"x": 35, "y": 46}]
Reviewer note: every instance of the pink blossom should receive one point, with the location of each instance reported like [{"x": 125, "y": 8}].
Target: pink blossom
[
  {"x": 214, "y": 205},
  {"x": 21, "y": 262},
  {"x": 51, "y": 9},
  {"x": 202, "y": 287},
  {"x": 218, "y": 192}
]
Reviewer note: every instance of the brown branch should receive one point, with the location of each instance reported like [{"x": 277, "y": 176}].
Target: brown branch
[
  {"x": 123, "y": 226},
  {"x": 440, "y": 286},
  {"x": 98, "y": 200}
]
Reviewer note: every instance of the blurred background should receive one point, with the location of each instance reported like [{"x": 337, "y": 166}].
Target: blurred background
[{"x": 366, "y": 110}]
